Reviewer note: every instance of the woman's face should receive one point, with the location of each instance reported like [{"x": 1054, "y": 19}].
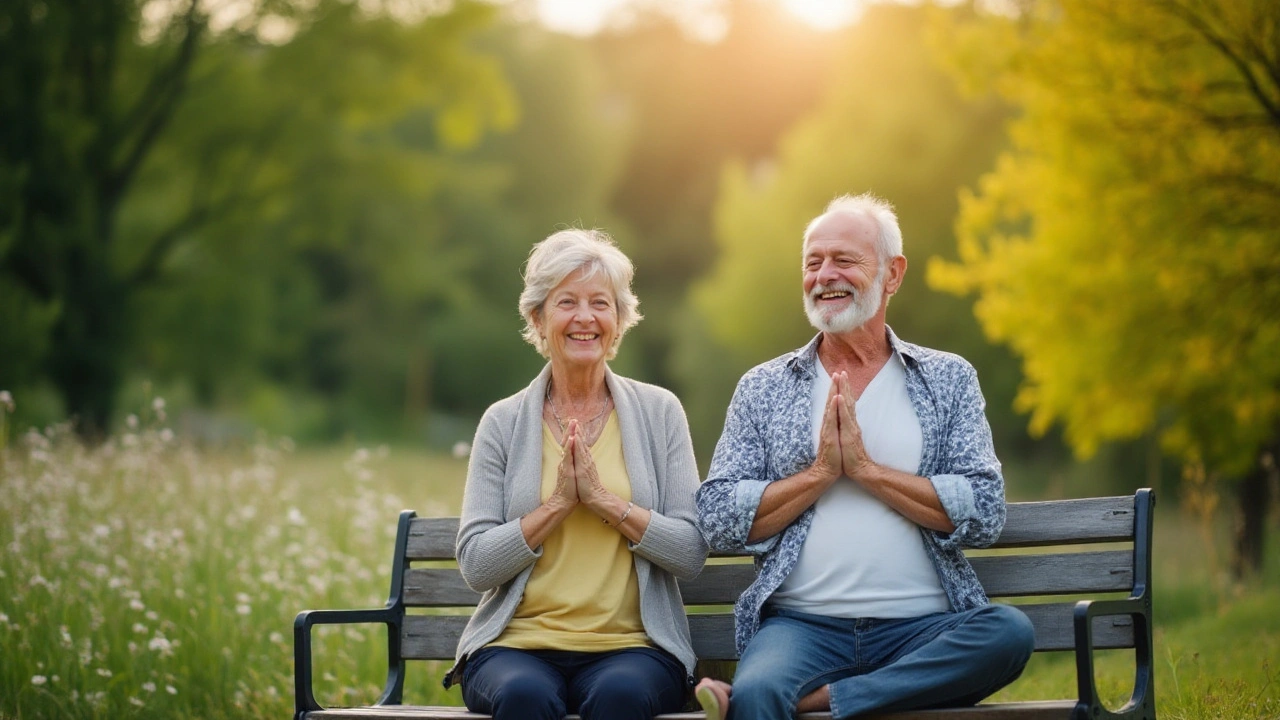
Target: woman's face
[{"x": 579, "y": 320}]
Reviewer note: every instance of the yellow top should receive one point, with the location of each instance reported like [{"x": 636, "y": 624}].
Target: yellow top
[{"x": 582, "y": 594}]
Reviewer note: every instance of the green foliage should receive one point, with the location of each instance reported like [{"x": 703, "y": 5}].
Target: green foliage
[
  {"x": 1125, "y": 247},
  {"x": 165, "y": 184}
]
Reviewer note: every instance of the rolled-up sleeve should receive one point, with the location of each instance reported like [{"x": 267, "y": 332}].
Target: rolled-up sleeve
[{"x": 970, "y": 485}]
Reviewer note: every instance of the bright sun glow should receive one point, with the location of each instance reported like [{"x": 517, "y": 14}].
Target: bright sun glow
[
  {"x": 587, "y": 16},
  {"x": 823, "y": 14}
]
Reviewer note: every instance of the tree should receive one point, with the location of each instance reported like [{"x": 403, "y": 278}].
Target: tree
[
  {"x": 113, "y": 174},
  {"x": 1126, "y": 246}
]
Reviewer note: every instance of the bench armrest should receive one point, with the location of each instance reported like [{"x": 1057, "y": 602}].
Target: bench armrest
[
  {"x": 392, "y": 616},
  {"x": 1142, "y": 702}
]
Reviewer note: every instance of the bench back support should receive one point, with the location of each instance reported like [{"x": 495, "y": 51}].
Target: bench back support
[{"x": 1038, "y": 556}]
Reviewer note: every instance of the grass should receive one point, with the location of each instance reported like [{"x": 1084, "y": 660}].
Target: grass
[{"x": 147, "y": 578}]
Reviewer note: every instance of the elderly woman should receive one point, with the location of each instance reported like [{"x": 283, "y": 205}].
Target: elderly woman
[{"x": 578, "y": 514}]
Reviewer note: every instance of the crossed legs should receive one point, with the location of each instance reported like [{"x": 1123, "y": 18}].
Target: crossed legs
[{"x": 852, "y": 667}]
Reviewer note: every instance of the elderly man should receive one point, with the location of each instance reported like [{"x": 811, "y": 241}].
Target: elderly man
[{"x": 856, "y": 469}]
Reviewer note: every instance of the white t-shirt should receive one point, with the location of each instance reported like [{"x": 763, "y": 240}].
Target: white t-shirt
[{"x": 861, "y": 558}]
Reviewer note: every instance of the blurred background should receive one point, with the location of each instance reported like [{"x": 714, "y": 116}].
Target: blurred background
[
  {"x": 306, "y": 220},
  {"x": 309, "y": 218}
]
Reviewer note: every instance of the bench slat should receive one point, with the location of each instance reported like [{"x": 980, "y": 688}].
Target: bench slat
[
  {"x": 1051, "y": 522},
  {"x": 432, "y": 538},
  {"x": 435, "y": 637},
  {"x": 1055, "y": 574},
  {"x": 1001, "y": 575},
  {"x": 1064, "y": 522},
  {"x": 1039, "y": 710}
]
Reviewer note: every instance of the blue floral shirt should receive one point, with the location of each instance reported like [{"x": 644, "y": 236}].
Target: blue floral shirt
[{"x": 767, "y": 436}]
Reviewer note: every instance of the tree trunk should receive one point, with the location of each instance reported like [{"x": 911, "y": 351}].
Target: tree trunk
[
  {"x": 88, "y": 342},
  {"x": 1255, "y": 505}
]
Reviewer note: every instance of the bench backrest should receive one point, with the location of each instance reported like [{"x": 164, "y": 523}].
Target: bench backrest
[{"x": 1090, "y": 547}]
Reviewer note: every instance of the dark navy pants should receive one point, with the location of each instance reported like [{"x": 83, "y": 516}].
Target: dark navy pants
[{"x": 629, "y": 684}]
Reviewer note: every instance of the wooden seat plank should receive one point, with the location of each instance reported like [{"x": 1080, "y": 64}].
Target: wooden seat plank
[{"x": 1038, "y": 710}]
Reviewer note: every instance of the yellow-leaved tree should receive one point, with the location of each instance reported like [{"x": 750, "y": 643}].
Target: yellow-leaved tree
[{"x": 1127, "y": 247}]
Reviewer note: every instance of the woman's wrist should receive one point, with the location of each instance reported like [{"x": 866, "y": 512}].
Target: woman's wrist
[
  {"x": 560, "y": 505},
  {"x": 621, "y": 518}
]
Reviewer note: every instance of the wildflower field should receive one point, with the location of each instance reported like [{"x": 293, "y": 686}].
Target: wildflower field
[{"x": 149, "y": 578}]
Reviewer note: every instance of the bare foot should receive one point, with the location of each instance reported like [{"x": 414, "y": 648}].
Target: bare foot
[
  {"x": 817, "y": 701},
  {"x": 713, "y": 696}
]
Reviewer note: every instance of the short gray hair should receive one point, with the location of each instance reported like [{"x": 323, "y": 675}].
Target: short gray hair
[
  {"x": 889, "y": 240},
  {"x": 559, "y": 256}
]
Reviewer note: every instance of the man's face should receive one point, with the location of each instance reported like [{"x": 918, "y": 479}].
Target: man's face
[{"x": 844, "y": 280}]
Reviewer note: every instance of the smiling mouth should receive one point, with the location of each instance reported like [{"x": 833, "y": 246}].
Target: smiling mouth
[
  {"x": 582, "y": 336},
  {"x": 833, "y": 295}
]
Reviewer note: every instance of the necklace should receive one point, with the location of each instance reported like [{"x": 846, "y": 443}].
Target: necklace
[{"x": 561, "y": 423}]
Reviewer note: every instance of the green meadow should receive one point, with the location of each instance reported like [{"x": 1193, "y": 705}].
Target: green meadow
[{"x": 150, "y": 578}]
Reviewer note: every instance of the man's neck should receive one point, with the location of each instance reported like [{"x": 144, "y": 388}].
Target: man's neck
[{"x": 864, "y": 348}]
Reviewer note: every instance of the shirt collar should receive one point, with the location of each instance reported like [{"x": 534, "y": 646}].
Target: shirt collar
[{"x": 805, "y": 359}]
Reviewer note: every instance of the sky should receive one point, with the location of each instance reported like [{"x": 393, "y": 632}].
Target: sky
[{"x": 586, "y": 16}]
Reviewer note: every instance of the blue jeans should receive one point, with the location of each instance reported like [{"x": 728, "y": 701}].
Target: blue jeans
[
  {"x": 940, "y": 660},
  {"x": 629, "y": 684}
]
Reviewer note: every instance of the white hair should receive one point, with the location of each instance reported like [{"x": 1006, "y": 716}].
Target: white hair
[
  {"x": 888, "y": 240},
  {"x": 559, "y": 256}
]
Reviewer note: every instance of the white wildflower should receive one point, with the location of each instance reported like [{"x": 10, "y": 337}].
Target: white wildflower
[
  {"x": 296, "y": 517},
  {"x": 243, "y": 609},
  {"x": 6, "y": 400},
  {"x": 104, "y": 672},
  {"x": 136, "y": 604},
  {"x": 276, "y": 638},
  {"x": 171, "y": 689},
  {"x": 161, "y": 644},
  {"x": 461, "y": 449},
  {"x": 39, "y": 679},
  {"x": 149, "y": 687},
  {"x": 136, "y": 702},
  {"x": 157, "y": 404},
  {"x": 140, "y": 629},
  {"x": 152, "y": 615},
  {"x": 166, "y": 436},
  {"x": 131, "y": 421}
]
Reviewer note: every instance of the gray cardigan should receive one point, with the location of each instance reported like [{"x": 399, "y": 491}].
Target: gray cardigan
[{"x": 504, "y": 482}]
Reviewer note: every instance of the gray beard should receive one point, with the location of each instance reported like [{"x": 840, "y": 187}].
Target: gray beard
[{"x": 863, "y": 308}]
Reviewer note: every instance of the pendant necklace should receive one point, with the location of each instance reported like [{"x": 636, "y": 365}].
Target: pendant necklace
[{"x": 552, "y": 404}]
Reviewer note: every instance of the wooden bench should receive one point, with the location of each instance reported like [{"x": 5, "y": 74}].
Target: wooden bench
[{"x": 1035, "y": 565}]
